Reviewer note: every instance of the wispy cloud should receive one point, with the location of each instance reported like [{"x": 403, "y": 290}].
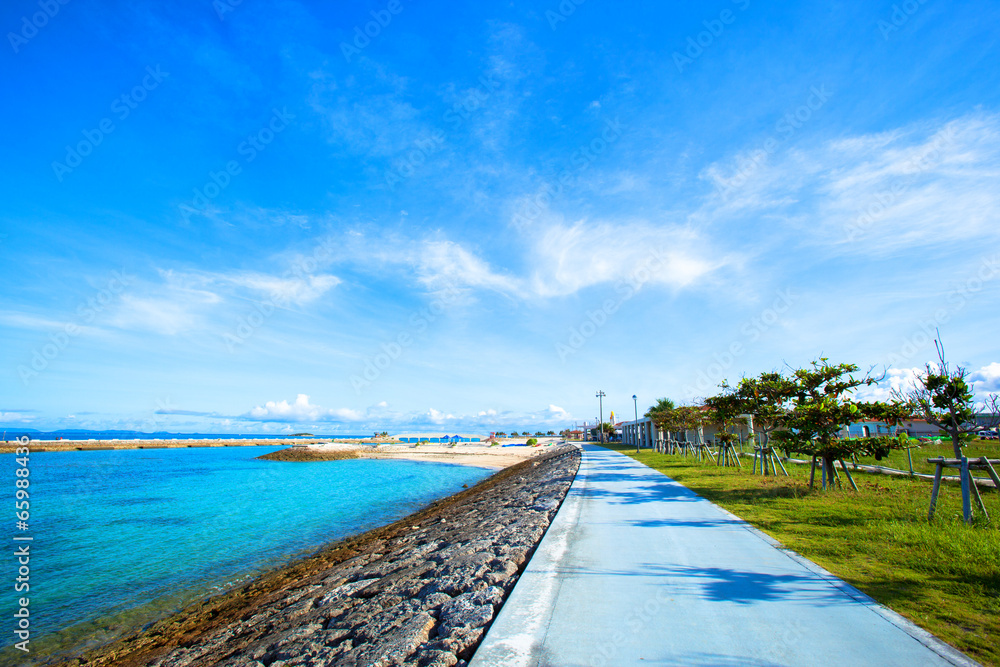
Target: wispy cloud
[
  {"x": 571, "y": 257},
  {"x": 924, "y": 184}
]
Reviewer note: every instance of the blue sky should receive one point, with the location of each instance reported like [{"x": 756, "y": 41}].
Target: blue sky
[{"x": 254, "y": 217}]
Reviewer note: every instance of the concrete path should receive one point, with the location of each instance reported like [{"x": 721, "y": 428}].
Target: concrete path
[{"x": 637, "y": 570}]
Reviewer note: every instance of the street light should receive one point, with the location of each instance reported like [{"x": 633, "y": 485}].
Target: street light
[
  {"x": 600, "y": 425},
  {"x": 635, "y": 405}
]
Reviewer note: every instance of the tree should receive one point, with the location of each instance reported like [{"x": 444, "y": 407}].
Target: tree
[
  {"x": 766, "y": 398},
  {"x": 725, "y": 409},
  {"x": 663, "y": 407},
  {"x": 823, "y": 407},
  {"x": 944, "y": 398}
]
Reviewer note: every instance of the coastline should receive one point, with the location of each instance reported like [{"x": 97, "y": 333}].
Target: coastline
[
  {"x": 471, "y": 454},
  {"x": 421, "y": 573}
]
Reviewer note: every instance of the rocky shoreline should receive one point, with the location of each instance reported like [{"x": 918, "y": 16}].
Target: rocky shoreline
[{"x": 420, "y": 592}]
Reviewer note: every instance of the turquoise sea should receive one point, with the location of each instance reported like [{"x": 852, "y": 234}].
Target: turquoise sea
[{"x": 121, "y": 538}]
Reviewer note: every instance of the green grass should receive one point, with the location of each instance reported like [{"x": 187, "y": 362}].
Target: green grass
[
  {"x": 945, "y": 576},
  {"x": 897, "y": 458}
]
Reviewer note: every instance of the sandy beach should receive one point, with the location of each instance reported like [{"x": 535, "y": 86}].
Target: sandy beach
[{"x": 471, "y": 454}]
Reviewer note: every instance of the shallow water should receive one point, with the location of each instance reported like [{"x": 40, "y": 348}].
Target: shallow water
[{"x": 123, "y": 537}]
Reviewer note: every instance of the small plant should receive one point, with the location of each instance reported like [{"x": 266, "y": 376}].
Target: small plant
[{"x": 531, "y": 442}]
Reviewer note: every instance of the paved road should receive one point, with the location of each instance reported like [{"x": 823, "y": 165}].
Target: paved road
[{"x": 637, "y": 570}]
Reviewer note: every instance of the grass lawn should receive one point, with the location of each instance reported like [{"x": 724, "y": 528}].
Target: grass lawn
[
  {"x": 897, "y": 458},
  {"x": 944, "y": 577}
]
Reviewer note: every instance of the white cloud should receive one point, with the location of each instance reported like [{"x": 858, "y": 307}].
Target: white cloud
[
  {"x": 896, "y": 379},
  {"x": 168, "y": 316},
  {"x": 16, "y": 416},
  {"x": 299, "y": 290},
  {"x": 295, "y": 290},
  {"x": 444, "y": 264},
  {"x": 27, "y": 321},
  {"x": 438, "y": 417},
  {"x": 987, "y": 378},
  {"x": 302, "y": 411},
  {"x": 572, "y": 257}
]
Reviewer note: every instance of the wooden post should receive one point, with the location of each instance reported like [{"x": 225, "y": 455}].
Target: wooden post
[
  {"x": 979, "y": 499},
  {"x": 909, "y": 457},
  {"x": 935, "y": 489},
  {"x": 992, "y": 473},
  {"x": 966, "y": 499},
  {"x": 848, "y": 473},
  {"x": 780, "y": 465}
]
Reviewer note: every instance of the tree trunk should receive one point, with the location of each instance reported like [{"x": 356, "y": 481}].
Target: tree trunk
[{"x": 828, "y": 463}]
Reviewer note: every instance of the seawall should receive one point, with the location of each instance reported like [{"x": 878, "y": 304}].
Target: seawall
[{"x": 421, "y": 591}]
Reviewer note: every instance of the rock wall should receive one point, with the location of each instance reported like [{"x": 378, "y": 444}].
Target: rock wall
[{"x": 421, "y": 592}]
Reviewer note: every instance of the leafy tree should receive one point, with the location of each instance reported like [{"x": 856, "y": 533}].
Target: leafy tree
[
  {"x": 662, "y": 407},
  {"x": 551, "y": 433},
  {"x": 725, "y": 409},
  {"x": 767, "y": 399},
  {"x": 823, "y": 407}
]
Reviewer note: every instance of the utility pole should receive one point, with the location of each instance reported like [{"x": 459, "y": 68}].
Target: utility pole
[
  {"x": 600, "y": 425},
  {"x": 635, "y": 405}
]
